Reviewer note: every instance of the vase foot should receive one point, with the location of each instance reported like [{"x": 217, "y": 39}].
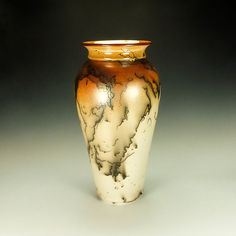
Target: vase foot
[{"x": 120, "y": 203}]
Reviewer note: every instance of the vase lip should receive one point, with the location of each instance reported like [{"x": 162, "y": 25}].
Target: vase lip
[{"x": 116, "y": 42}]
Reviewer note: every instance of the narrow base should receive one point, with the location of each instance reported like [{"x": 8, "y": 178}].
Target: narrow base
[{"x": 120, "y": 203}]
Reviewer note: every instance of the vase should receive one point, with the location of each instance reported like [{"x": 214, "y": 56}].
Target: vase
[{"x": 117, "y": 95}]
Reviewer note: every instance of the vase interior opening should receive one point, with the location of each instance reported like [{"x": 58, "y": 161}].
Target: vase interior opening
[{"x": 117, "y": 42}]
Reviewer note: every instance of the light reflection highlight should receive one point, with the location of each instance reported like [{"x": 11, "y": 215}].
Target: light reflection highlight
[
  {"x": 102, "y": 96},
  {"x": 132, "y": 91}
]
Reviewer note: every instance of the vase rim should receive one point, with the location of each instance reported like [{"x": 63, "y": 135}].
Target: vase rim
[{"x": 116, "y": 42}]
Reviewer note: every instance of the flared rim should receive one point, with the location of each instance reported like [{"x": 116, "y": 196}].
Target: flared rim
[{"x": 116, "y": 42}]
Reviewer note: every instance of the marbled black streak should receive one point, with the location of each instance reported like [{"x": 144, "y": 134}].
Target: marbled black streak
[
  {"x": 154, "y": 91},
  {"x": 142, "y": 117},
  {"x": 140, "y": 193},
  {"x": 95, "y": 126},
  {"x": 103, "y": 78},
  {"x": 116, "y": 153},
  {"x": 149, "y": 105},
  {"x": 99, "y": 164},
  {"x": 94, "y": 111},
  {"x": 110, "y": 96},
  {"x": 125, "y": 116},
  {"x": 124, "y": 199},
  {"x": 116, "y": 82},
  {"x": 147, "y": 65},
  {"x": 100, "y": 149},
  {"x": 114, "y": 170},
  {"x": 126, "y": 147},
  {"x": 115, "y": 142},
  {"x": 127, "y": 157}
]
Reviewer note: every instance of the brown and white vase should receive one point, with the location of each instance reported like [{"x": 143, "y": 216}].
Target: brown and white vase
[{"x": 117, "y": 97}]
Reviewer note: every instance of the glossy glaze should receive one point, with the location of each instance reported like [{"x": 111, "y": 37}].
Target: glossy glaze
[{"x": 117, "y": 103}]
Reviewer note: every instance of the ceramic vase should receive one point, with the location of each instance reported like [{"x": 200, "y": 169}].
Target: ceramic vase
[{"x": 117, "y": 95}]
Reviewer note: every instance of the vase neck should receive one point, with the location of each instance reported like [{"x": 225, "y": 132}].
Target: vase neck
[{"x": 122, "y": 50}]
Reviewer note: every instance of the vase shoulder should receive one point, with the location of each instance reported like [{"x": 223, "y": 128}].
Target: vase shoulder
[{"x": 116, "y": 73}]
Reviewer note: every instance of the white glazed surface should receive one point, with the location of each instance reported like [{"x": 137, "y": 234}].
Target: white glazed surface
[{"x": 121, "y": 189}]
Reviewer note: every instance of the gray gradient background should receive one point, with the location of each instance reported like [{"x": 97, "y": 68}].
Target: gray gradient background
[{"x": 46, "y": 186}]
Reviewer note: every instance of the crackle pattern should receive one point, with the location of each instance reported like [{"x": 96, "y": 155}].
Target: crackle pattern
[{"x": 117, "y": 104}]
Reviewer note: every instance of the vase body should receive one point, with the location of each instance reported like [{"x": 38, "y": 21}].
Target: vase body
[{"x": 117, "y": 96}]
